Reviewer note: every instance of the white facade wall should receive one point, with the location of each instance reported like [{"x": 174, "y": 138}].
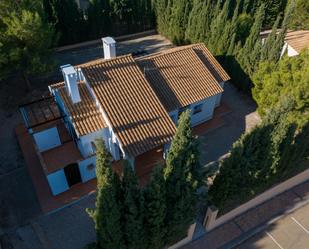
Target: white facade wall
[
  {"x": 218, "y": 101},
  {"x": 47, "y": 139},
  {"x": 84, "y": 142},
  {"x": 58, "y": 182},
  {"x": 174, "y": 116},
  {"x": 87, "y": 168},
  {"x": 289, "y": 50},
  {"x": 292, "y": 51},
  {"x": 209, "y": 105}
]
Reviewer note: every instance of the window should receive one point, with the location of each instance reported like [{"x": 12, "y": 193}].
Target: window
[
  {"x": 90, "y": 167},
  {"x": 197, "y": 109},
  {"x": 94, "y": 147}
]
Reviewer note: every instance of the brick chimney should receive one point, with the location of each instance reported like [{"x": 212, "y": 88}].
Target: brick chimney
[
  {"x": 109, "y": 47},
  {"x": 71, "y": 82}
]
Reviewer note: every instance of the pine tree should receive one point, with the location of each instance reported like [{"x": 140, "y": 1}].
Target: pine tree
[
  {"x": 107, "y": 215},
  {"x": 26, "y": 39},
  {"x": 180, "y": 173},
  {"x": 155, "y": 206},
  {"x": 132, "y": 210}
]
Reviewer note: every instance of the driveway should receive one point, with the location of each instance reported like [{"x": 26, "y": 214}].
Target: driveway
[{"x": 242, "y": 117}]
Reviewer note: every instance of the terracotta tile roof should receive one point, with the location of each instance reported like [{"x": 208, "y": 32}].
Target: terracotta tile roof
[
  {"x": 133, "y": 109},
  {"x": 298, "y": 39},
  {"x": 86, "y": 117},
  {"x": 184, "y": 75}
]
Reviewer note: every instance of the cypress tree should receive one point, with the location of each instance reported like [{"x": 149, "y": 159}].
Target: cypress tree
[
  {"x": 228, "y": 38},
  {"x": 155, "y": 206},
  {"x": 247, "y": 62},
  {"x": 275, "y": 52},
  {"x": 270, "y": 42},
  {"x": 99, "y": 18},
  {"x": 132, "y": 210},
  {"x": 193, "y": 28},
  {"x": 180, "y": 173},
  {"x": 256, "y": 161},
  {"x": 70, "y": 23},
  {"x": 179, "y": 20},
  {"x": 217, "y": 30},
  {"x": 107, "y": 214}
]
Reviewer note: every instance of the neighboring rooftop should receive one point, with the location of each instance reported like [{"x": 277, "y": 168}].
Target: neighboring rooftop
[
  {"x": 298, "y": 40},
  {"x": 182, "y": 76},
  {"x": 138, "y": 118}
]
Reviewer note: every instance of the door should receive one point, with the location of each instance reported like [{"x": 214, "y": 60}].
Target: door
[{"x": 72, "y": 174}]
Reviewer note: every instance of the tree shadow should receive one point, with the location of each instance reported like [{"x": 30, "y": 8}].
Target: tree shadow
[{"x": 238, "y": 76}]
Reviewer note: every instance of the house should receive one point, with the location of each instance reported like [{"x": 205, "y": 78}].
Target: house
[
  {"x": 133, "y": 104},
  {"x": 295, "y": 42}
]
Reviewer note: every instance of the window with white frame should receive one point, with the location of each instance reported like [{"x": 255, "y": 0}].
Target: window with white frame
[{"x": 197, "y": 109}]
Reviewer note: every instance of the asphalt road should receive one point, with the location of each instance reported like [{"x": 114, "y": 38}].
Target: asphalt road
[{"x": 289, "y": 232}]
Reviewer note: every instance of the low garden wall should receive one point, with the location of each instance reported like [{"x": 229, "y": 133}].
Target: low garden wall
[
  {"x": 186, "y": 240},
  {"x": 98, "y": 41},
  {"x": 211, "y": 221}
]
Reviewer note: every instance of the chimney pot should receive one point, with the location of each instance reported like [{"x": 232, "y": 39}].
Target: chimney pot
[
  {"x": 109, "y": 47},
  {"x": 71, "y": 82}
]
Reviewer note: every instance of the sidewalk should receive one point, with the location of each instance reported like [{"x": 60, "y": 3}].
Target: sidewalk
[{"x": 249, "y": 223}]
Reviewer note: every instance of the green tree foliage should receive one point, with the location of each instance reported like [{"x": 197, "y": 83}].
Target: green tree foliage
[
  {"x": 257, "y": 159},
  {"x": 290, "y": 76},
  {"x": 182, "y": 164},
  {"x": 248, "y": 57},
  {"x": 300, "y": 17},
  {"x": 69, "y": 21},
  {"x": 218, "y": 28},
  {"x": 26, "y": 39},
  {"x": 108, "y": 212},
  {"x": 178, "y": 21},
  {"x": 99, "y": 19},
  {"x": 155, "y": 207},
  {"x": 102, "y": 17},
  {"x": 199, "y": 21},
  {"x": 132, "y": 210}
]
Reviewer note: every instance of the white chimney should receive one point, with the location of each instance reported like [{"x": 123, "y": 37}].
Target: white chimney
[
  {"x": 109, "y": 47},
  {"x": 71, "y": 78}
]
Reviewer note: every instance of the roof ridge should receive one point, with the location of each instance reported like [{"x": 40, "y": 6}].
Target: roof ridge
[
  {"x": 168, "y": 51},
  {"x": 101, "y": 61}
]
